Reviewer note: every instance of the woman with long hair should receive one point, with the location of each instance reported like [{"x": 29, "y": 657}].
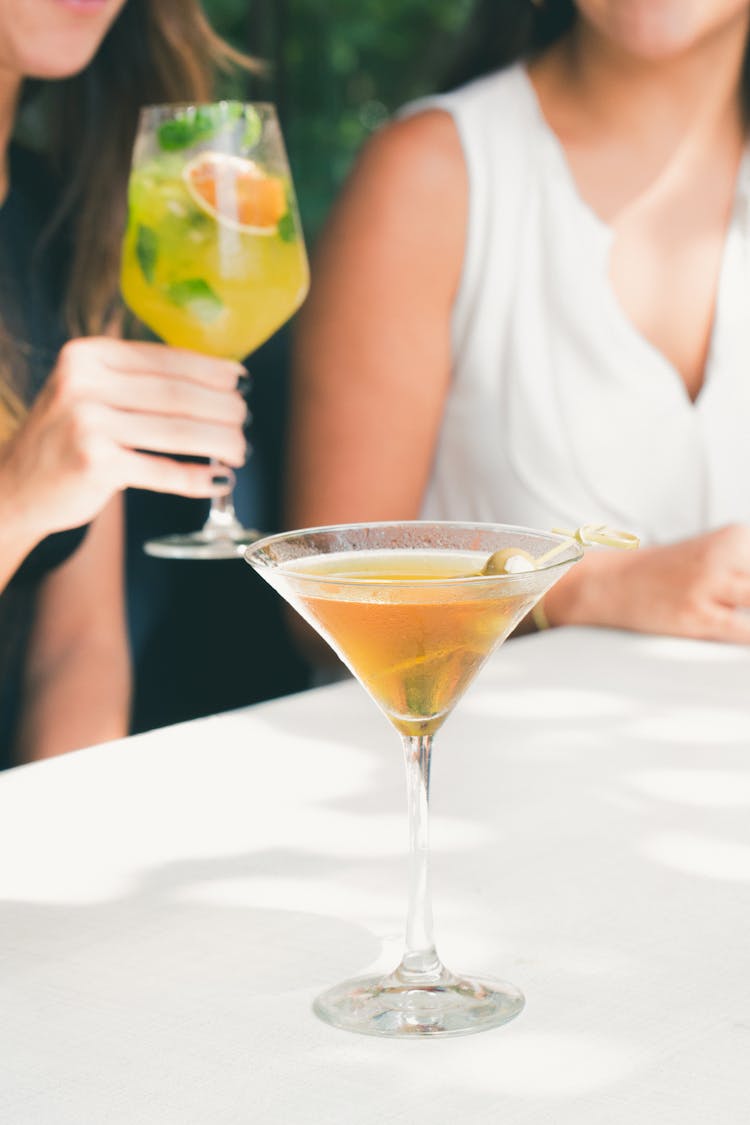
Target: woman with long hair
[
  {"x": 78, "y": 406},
  {"x": 531, "y": 306}
]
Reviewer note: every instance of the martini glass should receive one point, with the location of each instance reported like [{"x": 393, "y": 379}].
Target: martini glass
[
  {"x": 406, "y": 607},
  {"x": 213, "y": 257}
]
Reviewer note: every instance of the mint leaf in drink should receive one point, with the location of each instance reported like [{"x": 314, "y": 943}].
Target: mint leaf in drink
[
  {"x": 226, "y": 113},
  {"x": 146, "y": 251},
  {"x": 197, "y": 123},
  {"x": 253, "y": 127},
  {"x": 287, "y": 228},
  {"x": 197, "y": 298},
  {"x": 177, "y": 134}
]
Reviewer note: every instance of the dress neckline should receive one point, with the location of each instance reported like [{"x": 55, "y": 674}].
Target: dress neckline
[{"x": 599, "y": 235}]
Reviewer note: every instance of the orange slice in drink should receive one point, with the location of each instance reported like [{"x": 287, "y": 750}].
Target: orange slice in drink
[{"x": 236, "y": 192}]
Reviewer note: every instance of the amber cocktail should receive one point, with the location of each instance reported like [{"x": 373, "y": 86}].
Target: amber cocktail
[{"x": 410, "y": 610}]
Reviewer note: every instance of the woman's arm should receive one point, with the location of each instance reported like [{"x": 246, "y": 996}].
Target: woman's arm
[
  {"x": 83, "y": 439},
  {"x": 77, "y": 684},
  {"x": 372, "y": 357},
  {"x": 699, "y": 587},
  {"x": 17, "y": 536}
]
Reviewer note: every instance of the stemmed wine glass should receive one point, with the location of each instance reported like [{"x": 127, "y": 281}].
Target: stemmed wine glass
[
  {"x": 414, "y": 610},
  {"x": 213, "y": 257}
]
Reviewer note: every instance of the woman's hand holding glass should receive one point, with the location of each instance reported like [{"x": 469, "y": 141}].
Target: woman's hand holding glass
[{"x": 106, "y": 403}]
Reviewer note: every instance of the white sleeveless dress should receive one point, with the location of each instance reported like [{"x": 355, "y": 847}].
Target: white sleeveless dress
[{"x": 560, "y": 412}]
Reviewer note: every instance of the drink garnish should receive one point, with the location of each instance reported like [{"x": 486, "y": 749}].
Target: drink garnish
[
  {"x": 287, "y": 228},
  {"x": 237, "y": 192},
  {"x": 197, "y": 123},
  {"x": 514, "y": 560},
  {"x": 253, "y": 127},
  {"x": 509, "y": 560},
  {"x": 146, "y": 251},
  {"x": 197, "y": 297}
]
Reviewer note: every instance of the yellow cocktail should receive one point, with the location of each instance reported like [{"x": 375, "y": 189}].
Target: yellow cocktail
[
  {"x": 210, "y": 259},
  {"x": 213, "y": 258}
]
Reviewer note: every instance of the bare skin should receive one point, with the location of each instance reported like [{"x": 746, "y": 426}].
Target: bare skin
[
  {"x": 83, "y": 442},
  {"x": 78, "y": 669},
  {"x": 644, "y": 98},
  {"x": 106, "y": 401}
]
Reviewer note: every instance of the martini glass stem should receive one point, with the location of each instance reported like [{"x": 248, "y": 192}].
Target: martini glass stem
[{"x": 420, "y": 962}]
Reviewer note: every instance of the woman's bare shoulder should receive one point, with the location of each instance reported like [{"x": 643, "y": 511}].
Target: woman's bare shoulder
[
  {"x": 423, "y": 148},
  {"x": 410, "y": 184}
]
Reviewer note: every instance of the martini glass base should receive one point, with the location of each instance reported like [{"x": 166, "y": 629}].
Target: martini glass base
[
  {"x": 225, "y": 544},
  {"x": 397, "y": 1008}
]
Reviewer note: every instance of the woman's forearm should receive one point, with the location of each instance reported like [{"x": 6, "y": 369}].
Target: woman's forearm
[
  {"x": 76, "y": 702},
  {"x": 77, "y": 675},
  {"x": 17, "y": 536}
]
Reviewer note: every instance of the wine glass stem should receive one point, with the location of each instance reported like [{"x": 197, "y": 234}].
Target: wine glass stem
[
  {"x": 420, "y": 960},
  {"x": 222, "y": 518}
]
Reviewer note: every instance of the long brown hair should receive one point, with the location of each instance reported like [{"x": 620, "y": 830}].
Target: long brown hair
[{"x": 156, "y": 51}]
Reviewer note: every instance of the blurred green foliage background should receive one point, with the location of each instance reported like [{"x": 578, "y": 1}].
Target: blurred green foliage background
[{"x": 336, "y": 70}]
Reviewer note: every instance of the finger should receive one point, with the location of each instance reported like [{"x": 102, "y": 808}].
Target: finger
[
  {"x": 160, "y": 359},
  {"x": 189, "y": 438},
  {"x": 728, "y": 624},
  {"x": 244, "y": 384},
  {"x": 154, "y": 394},
  {"x": 735, "y": 590},
  {"x": 161, "y": 474}
]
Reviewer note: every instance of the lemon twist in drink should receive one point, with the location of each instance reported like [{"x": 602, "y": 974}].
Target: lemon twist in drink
[
  {"x": 212, "y": 258},
  {"x": 413, "y": 635}
]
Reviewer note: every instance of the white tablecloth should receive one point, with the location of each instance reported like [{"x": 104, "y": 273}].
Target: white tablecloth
[{"x": 170, "y": 904}]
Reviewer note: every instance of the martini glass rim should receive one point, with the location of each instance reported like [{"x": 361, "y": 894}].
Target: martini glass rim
[{"x": 254, "y": 553}]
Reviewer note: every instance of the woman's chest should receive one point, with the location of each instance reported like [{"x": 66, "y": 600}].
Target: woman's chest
[{"x": 666, "y": 267}]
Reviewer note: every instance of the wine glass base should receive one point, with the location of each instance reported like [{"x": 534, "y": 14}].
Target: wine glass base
[
  {"x": 395, "y": 1007},
  {"x": 202, "y": 544}
]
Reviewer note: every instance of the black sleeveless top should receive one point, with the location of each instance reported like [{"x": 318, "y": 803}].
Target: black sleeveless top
[{"x": 32, "y": 289}]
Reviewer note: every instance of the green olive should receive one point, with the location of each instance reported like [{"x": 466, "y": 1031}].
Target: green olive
[{"x": 498, "y": 562}]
